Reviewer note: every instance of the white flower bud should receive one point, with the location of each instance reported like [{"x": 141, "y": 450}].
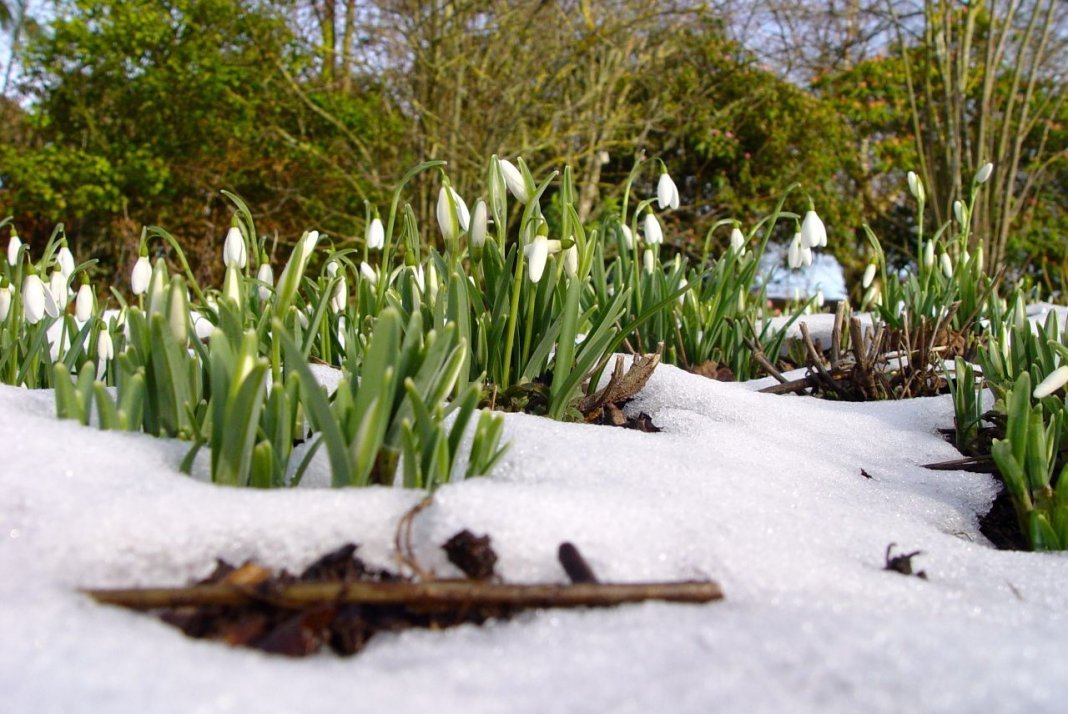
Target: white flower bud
[
  {"x": 537, "y": 254},
  {"x": 83, "y": 304},
  {"x": 57, "y": 285},
  {"x": 66, "y": 261},
  {"x": 983, "y": 174},
  {"x": 737, "y": 240},
  {"x": 513, "y": 178},
  {"x": 571, "y": 261},
  {"x": 376, "y": 235},
  {"x": 654, "y": 235},
  {"x": 5, "y": 301},
  {"x": 793, "y": 255},
  {"x": 232, "y": 285},
  {"x": 368, "y": 273},
  {"x": 234, "y": 253},
  {"x": 916, "y": 186},
  {"x": 142, "y": 273},
  {"x": 266, "y": 276},
  {"x": 105, "y": 347},
  {"x": 813, "y": 232},
  {"x": 958, "y": 211},
  {"x": 648, "y": 260},
  {"x": 628, "y": 237},
  {"x": 1054, "y": 381},
  {"x": 13, "y": 247},
  {"x": 479, "y": 223},
  {"x": 869, "y": 276},
  {"x": 947, "y": 265},
  {"x": 667, "y": 193},
  {"x": 929, "y": 254},
  {"x": 33, "y": 298}
]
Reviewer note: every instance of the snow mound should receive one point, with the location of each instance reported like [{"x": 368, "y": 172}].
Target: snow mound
[{"x": 761, "y": 493}]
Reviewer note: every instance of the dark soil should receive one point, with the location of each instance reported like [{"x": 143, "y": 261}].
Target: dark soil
[{"x": 1001, "y": 526}]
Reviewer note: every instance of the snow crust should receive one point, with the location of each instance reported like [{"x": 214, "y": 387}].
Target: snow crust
[{"x": 762, "y": 493}]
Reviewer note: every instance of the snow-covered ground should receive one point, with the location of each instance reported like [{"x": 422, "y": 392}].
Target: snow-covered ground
[{"x": 762, "y": 493}]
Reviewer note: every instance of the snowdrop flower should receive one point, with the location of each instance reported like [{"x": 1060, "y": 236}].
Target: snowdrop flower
[
  {"x": 232, "y": 285},
  {"x": 234, "y": 253},
  {"x": 806, "y": 256},
  {"x": 5, "y": 300},
  {"x": 339, "y": 297},
  {"x": 947, "y": 265},
  {"x": 105, "y": 347},
  {"x": 667, "y": 193},
  {"x": 13, "y": 247},
  {"x": 929, "y": 254},
  {"x": 479, "y": 223},
  {"x": 368, "y": 273},
  {"x": 869, "y": 275},
  {"x": 983, "y": 174},
  {"x": 813, "y": 232},
  {"x": 958, "y": 211},
  {"x": 376, "y": 235},
  {"x": 266, "y": 276},
  {"x": 537, "y": 253},
  {"x": 794, "y": 257},
  {"x": 571, "y": 261},
  {"x": 66, "y": 261},
  {"x": 83, "y": 304},
  {"x": 628, "y": 237},
  {"x": 513, "y": 179},
  {"x": 1054, "y": 381},
  {"x": 916, "y": 187},
  {"x": 450, "y": 207},
  {"x": 979, "y": 260},
  {"x": 57, "y": 285},
  {"x": 820, "y": 299},
  {"x": 648, "y": 260},
  {"x": 33, "y": 298},
  {"x": 683, "y": 283},
  {"x": 654, "y": 235},
  {"x": 142, "y": 273},
  {"x": 737, "y": 240}
]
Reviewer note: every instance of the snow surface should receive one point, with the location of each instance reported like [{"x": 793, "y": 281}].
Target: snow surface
[{"x": 761, "y": 493}]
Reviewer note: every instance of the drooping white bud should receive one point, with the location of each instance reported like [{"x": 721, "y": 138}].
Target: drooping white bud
[
  {"x": 737, "y": 240},
  {"x": 368, "y": 273},
  {"x": 983, "y": 174},
  {"x": 234, "y": 253},
  {"x": 648, "y": 260},
  {"x": 376, "y": 235},
  {"x": 5, "y": 301},
  {"x": 628, "y": 237},
  {"x": 958, "y": 211},
  {"x": 13, "y": 247},
  {"x": 66, "y": 261},
  {"x": 929, "y": 254},
  {"x": 654, "y": 235},
  {"x": 57, "y": 285},
  {"x": 83, "y": 304},
  {"x": 667, "y": 193},
  {"x": 266, "y": 277},
  {"x": 794, "y": 259},
  {"x": 537, "y": 254},
  {"x": 813, "y": 232},
  {"x": 33, "y": 298},
  {"x": 142, "y": 273}
]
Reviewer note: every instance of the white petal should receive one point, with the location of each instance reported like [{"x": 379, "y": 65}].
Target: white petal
[
  {"x": 376, "y": 235},
  {"x": 142, "y": 273},
  {"x": 83, "y": 304},
  {"x": 234, "y": 253},
  {"x": 479, "y": 222},
  {"x": 654, "y": 235}
]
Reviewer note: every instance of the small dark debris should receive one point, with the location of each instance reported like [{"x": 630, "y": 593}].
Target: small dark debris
[
  {"x": 576, "y": 567},
  {"x": 716, "y": 371},
  {"x": 472, "y": 554},
  {"x": 865, "y": 474},
  {"x": 903, "y": 563}
]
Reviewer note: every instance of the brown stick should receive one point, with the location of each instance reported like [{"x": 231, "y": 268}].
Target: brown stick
[
  {"x": 434, "y": 594},
  {"x": 762, "y": 360}
]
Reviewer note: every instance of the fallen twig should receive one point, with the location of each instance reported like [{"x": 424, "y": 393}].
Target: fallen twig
[{"x": 424, "y": 595}]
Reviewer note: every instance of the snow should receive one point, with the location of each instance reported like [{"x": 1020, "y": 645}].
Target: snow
[
  {"x": 824, "y": 274},
  {"x": 762, "y": 493}
]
